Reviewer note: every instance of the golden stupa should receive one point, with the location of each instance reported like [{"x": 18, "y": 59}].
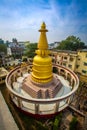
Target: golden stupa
[
  {"x": 42, "y": 82},
  {"x": 42, "y": 62}
]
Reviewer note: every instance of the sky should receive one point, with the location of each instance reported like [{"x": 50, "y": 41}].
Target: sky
[{"x": 21, "y": 19}]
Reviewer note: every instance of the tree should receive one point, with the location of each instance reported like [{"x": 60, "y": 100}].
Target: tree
[
  {"x": 1, "y": 41},
  {"x": 14, "y": 40},
  {"x": 25, "y": 59},
  {"x": 7, "y": 43},
  {"x": 72, "y": 43},
  {"x": 30, "y": 50},
  {"x": 3, "y": 48}
]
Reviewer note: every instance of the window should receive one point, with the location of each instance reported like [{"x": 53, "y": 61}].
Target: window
[
  {"x": 78, "y": 58},
  {"x": 65, "y": 58},
  {"x": 85, "y": 63},
  {"x": 71, "y": 59},
  {"x": 64, "y": 64},
  {"x": 84, "y": 71},
  {"x": 70, "y": 66},
  {"x": 77, "y": 66},
  {"x": 3, "y": 78}
]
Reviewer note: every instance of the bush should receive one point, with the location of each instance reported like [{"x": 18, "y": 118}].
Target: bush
[
  {"x": 56, "y": 124},
  {"x": 25, "y": 60},
  {"x": 57, "y": 121},
  {"x": 73, "y": 124}
]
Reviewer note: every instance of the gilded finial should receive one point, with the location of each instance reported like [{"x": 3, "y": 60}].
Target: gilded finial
[
  {"x": 43, "y": 44},
  {"x": 43, "y": 27}
]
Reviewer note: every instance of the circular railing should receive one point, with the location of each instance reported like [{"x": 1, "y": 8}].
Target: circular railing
[{"x": 43, "y": 106}]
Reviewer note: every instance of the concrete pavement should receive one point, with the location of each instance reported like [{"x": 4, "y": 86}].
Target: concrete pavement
[{"x": 6, "y": 120}]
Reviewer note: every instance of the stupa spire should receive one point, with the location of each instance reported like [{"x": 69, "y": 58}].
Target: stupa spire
[{"x": 43, "y": 44}]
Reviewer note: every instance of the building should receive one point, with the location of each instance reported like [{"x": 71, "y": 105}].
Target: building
[
  {"x": 17, "y": 50},
  {"x": 81, "y": 64},
  {"x": 54, "y": 45},
  {"x": 65, "y": 58},
  {"x": 9, "y": 53},
  {"x": 3, "y": 73},
  {"x": 2, "y": 59},
  {"x": 77, "y": 61}
]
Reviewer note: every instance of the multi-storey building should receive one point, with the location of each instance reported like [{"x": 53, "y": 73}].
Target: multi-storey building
[
  {"x": 77, "y": 61},
  {"x": 81, "y": 64},
  {"x": 18, "y": 48},
  {"x": 65, "y": 58}
]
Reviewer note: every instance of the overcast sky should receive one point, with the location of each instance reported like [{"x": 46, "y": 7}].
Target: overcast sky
[{"x": 22, "y": 19}]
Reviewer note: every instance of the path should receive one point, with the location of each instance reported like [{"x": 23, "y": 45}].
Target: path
[{"x": 6, "y": 120}]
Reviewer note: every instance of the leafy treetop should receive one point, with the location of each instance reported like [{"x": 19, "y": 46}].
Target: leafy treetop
[
  {"x": 30, "y": 50},
  {"x": 72, "y": 43}
]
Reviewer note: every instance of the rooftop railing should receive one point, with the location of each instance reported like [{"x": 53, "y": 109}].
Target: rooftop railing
[{"x": 42, "y": 106}]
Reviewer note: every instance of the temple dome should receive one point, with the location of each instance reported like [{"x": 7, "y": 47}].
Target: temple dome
[
  {"x": 42, "y": 68},
  {"x": 42, "y": 60}
]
